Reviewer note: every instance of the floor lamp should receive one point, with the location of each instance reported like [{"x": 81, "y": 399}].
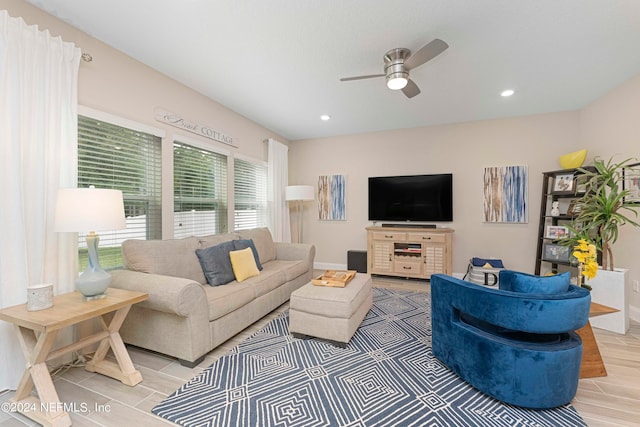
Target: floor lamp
[{"x": 299, "y": 194}]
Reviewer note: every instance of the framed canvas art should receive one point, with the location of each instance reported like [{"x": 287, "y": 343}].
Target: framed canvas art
[
  {"x": 631, "y": 183},
  {"x": 332, "y": 197},
  {"x": 505, "y": 194}
]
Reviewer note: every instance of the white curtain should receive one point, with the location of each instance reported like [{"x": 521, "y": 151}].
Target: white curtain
[
  {"x": 38, "y": 153},
  {"x": 277, "y": 181}
]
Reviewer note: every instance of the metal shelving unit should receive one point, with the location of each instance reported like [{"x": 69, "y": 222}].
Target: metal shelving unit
[{"x": 560, "y": 186}]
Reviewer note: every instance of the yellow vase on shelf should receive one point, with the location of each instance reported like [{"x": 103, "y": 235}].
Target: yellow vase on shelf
[{"x": 573, "y": 160}]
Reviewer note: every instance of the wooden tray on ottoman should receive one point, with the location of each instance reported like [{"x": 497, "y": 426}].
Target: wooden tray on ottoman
[{"x": 334, "y": 278}]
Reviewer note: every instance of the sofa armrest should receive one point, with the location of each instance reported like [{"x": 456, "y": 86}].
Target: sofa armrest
[
  {"x": 295, "y": 251},
  {"x": 166, "y": 293}
]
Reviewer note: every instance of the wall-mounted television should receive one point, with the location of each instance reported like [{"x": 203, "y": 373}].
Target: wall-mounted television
[{"x": 420, "y": 198}]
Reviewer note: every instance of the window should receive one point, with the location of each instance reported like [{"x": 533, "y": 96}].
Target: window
[
  {"x": 199, "y": 191},
  {"x": 117, "y": 157},
  {"x": 250, "y": 189}
]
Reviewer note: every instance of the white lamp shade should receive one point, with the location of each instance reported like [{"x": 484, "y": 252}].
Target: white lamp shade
[
  {"x": 299, "y": 192},
  {"x": 89, "y": 209}
]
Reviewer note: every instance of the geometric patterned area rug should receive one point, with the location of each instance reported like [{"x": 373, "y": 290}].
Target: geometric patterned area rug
[{"x": 386, "y": 376}]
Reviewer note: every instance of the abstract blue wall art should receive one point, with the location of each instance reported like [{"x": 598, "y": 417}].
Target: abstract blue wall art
[
  {"x": 505, "y": 194},
  {"x": 332, "y": 198}
]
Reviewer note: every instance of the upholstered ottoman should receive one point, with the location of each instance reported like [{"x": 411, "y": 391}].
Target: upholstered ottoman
[{"x": 333, "y": 314}]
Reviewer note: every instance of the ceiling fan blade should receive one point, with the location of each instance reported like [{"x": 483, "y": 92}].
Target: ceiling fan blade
[
  {"x": 411, "y": 89},
  {"x": 426, "y": 53},
  {"x": 346, "y": 79}
]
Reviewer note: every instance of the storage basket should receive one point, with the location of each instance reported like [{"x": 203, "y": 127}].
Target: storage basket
[{"x": 484, "y": 271}]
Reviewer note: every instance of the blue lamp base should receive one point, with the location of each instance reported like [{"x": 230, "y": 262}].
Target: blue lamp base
[{"x": 94, "y": 281}]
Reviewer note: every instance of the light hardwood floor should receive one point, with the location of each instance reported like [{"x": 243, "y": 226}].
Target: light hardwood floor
[{"x": 609, "y": 401}]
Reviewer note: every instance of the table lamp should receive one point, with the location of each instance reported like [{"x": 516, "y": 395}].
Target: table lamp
[
  {"x": 299, "y": 194},
  {"x": 90, "y": 209}
]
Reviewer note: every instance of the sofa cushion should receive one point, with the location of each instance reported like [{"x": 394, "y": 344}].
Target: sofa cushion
[
  {"x": 530, "y": 284},
  {"x": 291, "y": 269},
  {"x": 248, "y": 243},
  {"x": 216, "y": 239},
  {"x": 244, "y": 264},
  {"x": 216, "y": 264},
  {"x": 176, "y": 257},
  {"x": 222, "y": 300},
  {"x": 263, "y": 241},
  {"x": 268, "y": 280}
]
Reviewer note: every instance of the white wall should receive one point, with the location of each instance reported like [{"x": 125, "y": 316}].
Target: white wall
[
  {"x": 610, "y": 126},
  {"x": 117, "y": 84},
  {"x": 462, "y": 149}
]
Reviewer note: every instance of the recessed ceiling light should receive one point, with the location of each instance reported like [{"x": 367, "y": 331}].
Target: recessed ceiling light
[
  {"x": 507, "y": 93},
  {"x": 325, "y": 117}
]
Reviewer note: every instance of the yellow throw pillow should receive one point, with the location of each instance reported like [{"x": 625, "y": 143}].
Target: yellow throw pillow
[{"x": 243, "y": 264}]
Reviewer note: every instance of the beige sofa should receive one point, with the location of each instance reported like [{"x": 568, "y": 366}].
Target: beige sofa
[{"x": 184, "y": 316}]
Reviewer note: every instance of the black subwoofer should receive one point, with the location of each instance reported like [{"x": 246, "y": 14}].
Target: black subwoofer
[{"x": 357, "y": 260}]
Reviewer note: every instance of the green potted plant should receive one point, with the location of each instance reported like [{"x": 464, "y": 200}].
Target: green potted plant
[
  {"x": 603, "y": 208},
  {"x": 601, "y": 211}
]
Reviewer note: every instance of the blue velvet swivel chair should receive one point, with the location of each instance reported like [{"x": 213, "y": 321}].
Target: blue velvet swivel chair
[{"x": 516, "y": 343}]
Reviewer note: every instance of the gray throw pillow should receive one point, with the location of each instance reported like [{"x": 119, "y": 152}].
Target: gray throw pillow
[
  {"x": 216, "y": 264},
  {"x": 248, "y": 243}
]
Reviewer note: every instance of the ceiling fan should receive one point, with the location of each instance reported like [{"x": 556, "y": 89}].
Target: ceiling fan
[{"x": 399, "y": 61}]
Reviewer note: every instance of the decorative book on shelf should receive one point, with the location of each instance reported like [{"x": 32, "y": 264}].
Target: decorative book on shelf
[{"x": 334, "y": 278}]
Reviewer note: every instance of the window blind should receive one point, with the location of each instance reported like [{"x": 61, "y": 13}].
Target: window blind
[
  {"x": 250, "y": 190},
  {"x": 199, "y": 190},
  {"x": 115, "y": 157}
]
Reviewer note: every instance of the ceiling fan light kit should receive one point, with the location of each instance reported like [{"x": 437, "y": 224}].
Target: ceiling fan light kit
[
  {"x": 397, "y": 75},
  {"x": 399, "y": 61},
  {"x": 397, "y": 81}
]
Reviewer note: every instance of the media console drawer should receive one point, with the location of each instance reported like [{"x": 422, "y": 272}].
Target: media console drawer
[
  {"x": 389, "y": 235},
  {"x": 407, "y": 267},
  {"x": 426, "y": 237}
]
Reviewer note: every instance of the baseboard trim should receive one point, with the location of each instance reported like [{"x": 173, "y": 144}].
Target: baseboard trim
[{"x": 329, "y": 266}]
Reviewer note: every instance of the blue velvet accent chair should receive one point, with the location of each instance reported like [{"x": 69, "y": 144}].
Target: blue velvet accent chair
[{"x": 516, "y": 343}]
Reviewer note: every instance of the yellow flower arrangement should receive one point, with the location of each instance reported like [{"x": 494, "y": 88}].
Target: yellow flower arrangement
[{"x": 585, "y": 253}]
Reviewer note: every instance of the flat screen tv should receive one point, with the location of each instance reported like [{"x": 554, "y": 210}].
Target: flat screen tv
[{"x": 421, "y": 198}]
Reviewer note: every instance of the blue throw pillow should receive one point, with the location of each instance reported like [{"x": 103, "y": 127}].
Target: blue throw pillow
[
  {"x": 530, "y": 284},
  {"x": 248, "y": 243},
  {"x": 216, "y": 264}
]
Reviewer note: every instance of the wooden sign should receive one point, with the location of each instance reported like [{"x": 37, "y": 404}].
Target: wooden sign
[{"x": 179, "y": 122}]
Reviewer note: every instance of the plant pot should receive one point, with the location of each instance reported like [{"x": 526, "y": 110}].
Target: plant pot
[{"x": 611, "y": 288}]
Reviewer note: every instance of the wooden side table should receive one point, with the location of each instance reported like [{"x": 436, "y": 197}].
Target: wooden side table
[
  {"x": 592, "y": 365},
  {"x": 37, "y": 331}
]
